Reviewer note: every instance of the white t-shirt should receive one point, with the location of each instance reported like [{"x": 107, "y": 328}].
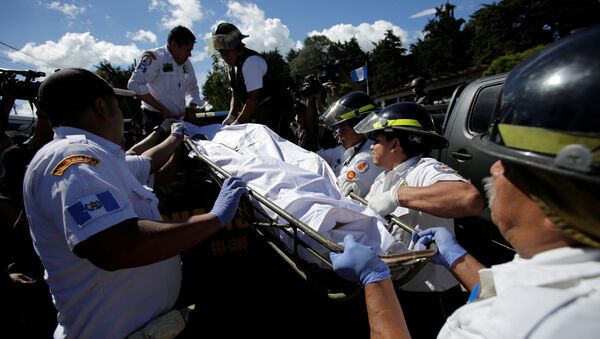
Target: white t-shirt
[
  {"x": 254, "y": 69},
  {"x": 76, "y": 186}
]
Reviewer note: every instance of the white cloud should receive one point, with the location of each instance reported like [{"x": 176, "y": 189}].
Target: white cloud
[
  {"x": 70, "y": 10},
  {"x": 425, "y": 12},
  {"x": 266, "y": 34},
  {"x": 75, "y": 50},
  {"x": 141, "y": 35},
  {"x": 365, "y": 34},
  {"x": 178, "y": 12}
]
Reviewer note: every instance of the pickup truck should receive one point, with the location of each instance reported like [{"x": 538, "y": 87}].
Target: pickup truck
[{"x": 467, "y": 116}]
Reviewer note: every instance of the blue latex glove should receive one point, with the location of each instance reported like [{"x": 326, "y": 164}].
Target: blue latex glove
[
  {"x": 228, "y": 199},
  {"x": 358, "y": 263},
  {"x": 448, "y": 248}
]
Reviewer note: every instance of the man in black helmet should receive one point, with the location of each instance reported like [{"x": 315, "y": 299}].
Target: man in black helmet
[
  {"x": 351, "y": 160},
  {"x": 419, "y": 95},
  {"x": 544, "y": 194},
  {"x": 256, "y": 97},
  {"x": 423, "y": 192}
]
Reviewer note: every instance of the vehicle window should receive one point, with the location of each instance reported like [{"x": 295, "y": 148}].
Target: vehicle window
[{"x": 483, "y": 108}]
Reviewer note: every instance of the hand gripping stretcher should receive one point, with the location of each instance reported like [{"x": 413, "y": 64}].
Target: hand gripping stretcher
[{"x": 300, "y": 245}]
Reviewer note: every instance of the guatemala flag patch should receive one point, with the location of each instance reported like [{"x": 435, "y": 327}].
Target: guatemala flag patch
[{"x": 92, "y": 206}]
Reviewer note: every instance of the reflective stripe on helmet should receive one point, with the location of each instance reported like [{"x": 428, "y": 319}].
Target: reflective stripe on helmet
[
  {"x": 352, "y": 113},
  {"x": 542, "y": 140},
  {"x": 383, "y": 122}
]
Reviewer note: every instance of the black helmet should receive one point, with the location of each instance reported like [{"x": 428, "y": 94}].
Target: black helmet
[
  {"x": 417, "y": 83},
  {"x": 547, "y": 123},
  {"x": 548, "y": 114},
  {"x": 405, "y": 117},
  {"x": 351, "y": 105},
  {"x": 226, "y": 36}
]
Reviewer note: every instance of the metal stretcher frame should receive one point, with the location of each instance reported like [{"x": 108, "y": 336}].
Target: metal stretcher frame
[{"x": 402, "y": 265}]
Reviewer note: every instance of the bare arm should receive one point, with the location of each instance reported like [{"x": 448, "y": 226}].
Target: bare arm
[
  {"x": 446, "y": 199},
  {"x": 234, "y": 109},
  {"x": 156, "y": 104},
  {"x": 134, "y": 242},
  {"x": 310, "y": 115},
  {"x": 386, "y": 318},
  {"x": 466, "y": 271},
  {"x": 247, "y": 112},
  {"x": 148, "y": 142},
  {"x": 161, "y": 153}
]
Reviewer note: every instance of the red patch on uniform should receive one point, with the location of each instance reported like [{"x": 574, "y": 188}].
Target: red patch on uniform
[{"x": 362, "y": 166}]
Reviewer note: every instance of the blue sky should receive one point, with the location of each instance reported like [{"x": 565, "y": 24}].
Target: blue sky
[{"x": 45, "y": 34}]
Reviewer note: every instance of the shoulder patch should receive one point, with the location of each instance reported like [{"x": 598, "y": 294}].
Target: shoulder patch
[
  {"x": 65, "y": 163},
  {"x": 361, "y": 166},
  {"x": 150, "y": 54},
  {"x": 443, "y": 168},
  {"x": 92, "y": 206},
  {"x": 147, "y": 59},
  {"x": 350, "y": 175}
]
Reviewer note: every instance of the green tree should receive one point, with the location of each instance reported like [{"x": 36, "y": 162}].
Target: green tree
[
  {"x": 443, "y": 49},
  {"x": 349, "y": 53},
  {"x": 512, "y": 26},
  {"x": 314, "y": 53},
  {"x": 291, "y": 55},
  {"x": 507, "y": 62},
  {"x": 216, "y": 89},
  {"x": 388, "y": 68},
  {"x": 279, "y": 68},
  {"x": 118, "y": 77}
]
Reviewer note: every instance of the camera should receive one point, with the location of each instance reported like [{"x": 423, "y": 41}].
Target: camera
[
  {"x": 26, "y": 89},
  {"x": 312, "y": 84},
  {"x": 328, "y": 71}
]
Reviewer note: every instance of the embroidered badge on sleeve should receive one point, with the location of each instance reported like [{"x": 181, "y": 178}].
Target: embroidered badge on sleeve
[
  {"x": 351, "y": 175},
  {"x": 92, "y": 206},
  {"x": 443, "y": 168},
  {"x": 65, "y": 163},
  {"x": 147, "y": 59},
  {"x": 361, "y": 166}
]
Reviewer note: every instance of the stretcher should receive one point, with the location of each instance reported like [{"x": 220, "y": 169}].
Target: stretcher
[{"x": 301, "y": 246}]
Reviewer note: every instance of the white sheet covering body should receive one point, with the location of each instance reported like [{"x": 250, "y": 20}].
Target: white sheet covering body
[{"x": 296, "y": 180}]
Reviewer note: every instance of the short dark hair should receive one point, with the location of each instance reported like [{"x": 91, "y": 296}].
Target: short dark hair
[
  {"x": 64, "y": 95},
  {"x": 181, "y": 36}
]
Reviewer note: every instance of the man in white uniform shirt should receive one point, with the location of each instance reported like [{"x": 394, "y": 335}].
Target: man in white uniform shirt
[
  {"x": 351, "y": 160},
  {"x": 423, "y": 193},
  {"x": 164, "y": 79},
  {"x": 111, "y": 264}
]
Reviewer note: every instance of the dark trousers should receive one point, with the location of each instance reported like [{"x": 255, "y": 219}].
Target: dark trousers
[{"x": 426, "y": 312}]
